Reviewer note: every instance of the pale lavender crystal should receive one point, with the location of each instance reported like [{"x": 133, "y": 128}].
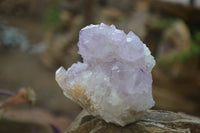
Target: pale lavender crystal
[{"x": 114, "y": 81}]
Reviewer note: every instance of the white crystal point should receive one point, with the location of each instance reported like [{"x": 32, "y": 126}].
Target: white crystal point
[{"x": 114, "y": 81}]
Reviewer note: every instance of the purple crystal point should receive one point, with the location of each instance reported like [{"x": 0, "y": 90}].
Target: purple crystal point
[{"x": 114, "y": 81}]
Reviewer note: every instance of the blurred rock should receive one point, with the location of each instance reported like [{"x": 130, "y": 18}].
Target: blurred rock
[
  {"x": 12, "y": 37},
  {"x": 154, "y": 121},
  {"x": 173, "y": 52},
  {"x": 179, "y": 35}
]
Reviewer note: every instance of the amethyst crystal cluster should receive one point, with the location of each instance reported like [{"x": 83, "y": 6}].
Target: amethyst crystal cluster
[{"x": 114, "y": 81}]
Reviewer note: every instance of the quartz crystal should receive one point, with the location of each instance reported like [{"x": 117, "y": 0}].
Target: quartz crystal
[{"x": 114, "y": 81}]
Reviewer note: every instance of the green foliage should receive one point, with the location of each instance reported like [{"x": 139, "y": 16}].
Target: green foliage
[
  {"x": 52, "y": 15},
  {"x": 174, "y": 57},
  {"x": 183, "y": 56},
  {"x": 197, "y": 36},
  {"x": 195, "y": 48},
  {"x": 2, "y": 111}
]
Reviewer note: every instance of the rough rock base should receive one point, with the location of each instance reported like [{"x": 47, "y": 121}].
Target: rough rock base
[{"x": 154, "y": 121}]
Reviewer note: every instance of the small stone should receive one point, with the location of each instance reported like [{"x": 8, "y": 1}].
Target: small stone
[{"x": 114, "y": 81}]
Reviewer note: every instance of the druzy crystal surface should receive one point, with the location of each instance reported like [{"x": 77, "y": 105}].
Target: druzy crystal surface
[{"x": 114, "y": 81}]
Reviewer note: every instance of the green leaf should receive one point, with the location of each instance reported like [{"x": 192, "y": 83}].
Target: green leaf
[
  {"x": 52, "y": 15},
  {"x": 183, "y": 56},
  {"x": 195, "y": 48},
  {"x": 197, "y": 36}
]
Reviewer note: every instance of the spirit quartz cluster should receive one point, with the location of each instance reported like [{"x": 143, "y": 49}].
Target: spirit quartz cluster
[{"x": 114, "y": 81}]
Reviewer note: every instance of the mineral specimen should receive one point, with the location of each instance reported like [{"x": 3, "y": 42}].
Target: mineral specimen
[{"x": 114, "y": 81}]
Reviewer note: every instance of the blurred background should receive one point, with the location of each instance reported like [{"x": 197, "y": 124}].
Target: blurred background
[{"x": 39, "y": 36}]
